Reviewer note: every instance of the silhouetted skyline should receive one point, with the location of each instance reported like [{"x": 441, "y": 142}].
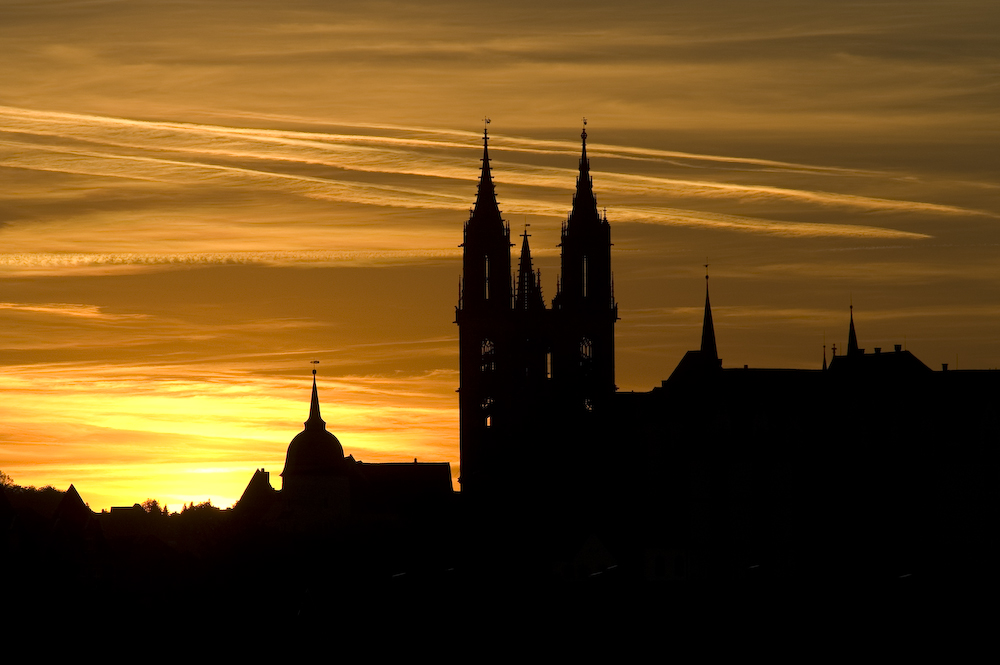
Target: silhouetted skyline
[
  {"x": 719, "y": 477},
  {"x": 190, "y": 215}
]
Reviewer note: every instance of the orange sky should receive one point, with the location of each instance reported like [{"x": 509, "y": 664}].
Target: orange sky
[{"x": 197, "y": 201}]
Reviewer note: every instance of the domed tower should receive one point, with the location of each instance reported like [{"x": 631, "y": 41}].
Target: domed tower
[{"x": 315, "y": 473}]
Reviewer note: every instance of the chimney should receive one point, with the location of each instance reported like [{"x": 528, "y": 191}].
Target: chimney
[
  {"x": 944, "y": 367},
  {"x": 898, "y": 348}
]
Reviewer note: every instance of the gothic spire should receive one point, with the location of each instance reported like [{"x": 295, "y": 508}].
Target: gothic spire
[
  {"x": 852, "y": 338},
  {"x": 315, "y": 421},
  {"x": 708, "y": 348},
  {"x": 584, "y": 202},
  {"x": 486, "y": 209},
  {"x": 529, "y": 292}
]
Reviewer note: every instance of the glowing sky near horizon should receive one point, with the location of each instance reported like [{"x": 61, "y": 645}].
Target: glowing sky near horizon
[{"x": 197, "y": 200}]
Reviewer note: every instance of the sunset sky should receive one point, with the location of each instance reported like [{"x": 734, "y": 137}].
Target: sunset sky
[{"x": 200, "y": 197}]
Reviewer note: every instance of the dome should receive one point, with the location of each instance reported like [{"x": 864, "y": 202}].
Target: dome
[{"x": 314, "y": 450}]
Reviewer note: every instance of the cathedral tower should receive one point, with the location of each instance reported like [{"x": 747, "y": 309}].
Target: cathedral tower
[
  {"x": 531, "y": 375},
  {"x": 583, "y": 362},
  {"x": 486, "y": 344}
]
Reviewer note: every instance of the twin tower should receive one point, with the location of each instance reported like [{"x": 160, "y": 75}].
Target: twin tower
[{"x": 534, "y": 379}]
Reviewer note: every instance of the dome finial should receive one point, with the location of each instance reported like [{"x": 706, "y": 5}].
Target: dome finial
[{"x": 315, "y": 420}]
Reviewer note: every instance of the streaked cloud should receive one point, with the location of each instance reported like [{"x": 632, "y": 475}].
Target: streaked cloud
[{"x": 69, "y": 309}]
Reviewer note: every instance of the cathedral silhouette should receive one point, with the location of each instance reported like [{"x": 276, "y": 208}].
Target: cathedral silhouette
[{"x": 526, "y": 367}]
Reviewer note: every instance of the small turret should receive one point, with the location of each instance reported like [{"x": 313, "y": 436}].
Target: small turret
[{"x": 529, "y": 289}]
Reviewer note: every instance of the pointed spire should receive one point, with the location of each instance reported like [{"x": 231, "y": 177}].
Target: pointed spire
[
  {"x": 852, "y": 338},
  {"x": 708, "y": 348},
  {"x": 315, "y": 421},
  {"x": 529, "y": 293},
  {"x": 486, "y": 207},
  {"x": 584, "y": 202}
]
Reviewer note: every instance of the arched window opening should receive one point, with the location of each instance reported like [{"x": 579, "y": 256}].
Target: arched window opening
[
  {"x": 488, "y": 361},
  {"x": 487, "y": 407}
]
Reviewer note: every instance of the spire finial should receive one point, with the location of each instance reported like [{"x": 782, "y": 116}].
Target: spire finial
[
  {"x": 852, "y": 338},
  {"x": 486, "y": 210},
  {"x": 584, "y": 203},
  {"x": 315, "y": 420},
  {"x": 708, "y": 347}
]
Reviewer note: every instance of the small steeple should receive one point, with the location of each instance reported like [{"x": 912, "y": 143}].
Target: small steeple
[
  {"x": 584, "y": 202},
  {"x": 852, "y": 338},
  {"x": 708, "y": 348},
  {"x": 529, "y": 291},
  {"x": 486, "y": 209},
  {"x": 315, "y": 421}
]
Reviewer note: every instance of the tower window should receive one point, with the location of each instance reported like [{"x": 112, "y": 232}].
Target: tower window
[
  {"x": 584, "y": 276},
  {"x": 586, "y": 349},
  {"x": 487, "y": 407},
  {"x": 486, "y": 280},
  {"x": 488, "y": 362}
]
